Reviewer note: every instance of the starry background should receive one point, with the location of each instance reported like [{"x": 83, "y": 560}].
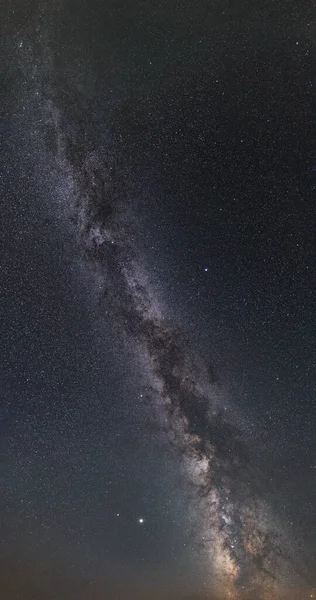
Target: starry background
[{"x": 210, "y": 107}]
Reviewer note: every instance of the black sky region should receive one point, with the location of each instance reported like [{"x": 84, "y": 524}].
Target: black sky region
[{"x": 157, "y": 316}]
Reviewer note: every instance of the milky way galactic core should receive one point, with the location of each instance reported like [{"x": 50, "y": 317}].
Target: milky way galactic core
[{"x": 246, "y": 551}]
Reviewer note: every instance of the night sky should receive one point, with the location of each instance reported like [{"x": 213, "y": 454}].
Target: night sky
[{"x": 157, "y": 300}]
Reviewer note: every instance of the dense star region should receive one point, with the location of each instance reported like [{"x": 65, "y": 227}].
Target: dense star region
[{"x": 78, "y": 126}]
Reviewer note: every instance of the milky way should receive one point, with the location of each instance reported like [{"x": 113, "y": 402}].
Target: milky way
[{"x": 246, "y": 553}]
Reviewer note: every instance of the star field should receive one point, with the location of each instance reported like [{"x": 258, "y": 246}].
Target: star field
[{"x": 157, "y": 282}]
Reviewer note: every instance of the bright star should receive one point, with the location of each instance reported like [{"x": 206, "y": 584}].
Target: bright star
[{"x": 141, "y": 521}]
